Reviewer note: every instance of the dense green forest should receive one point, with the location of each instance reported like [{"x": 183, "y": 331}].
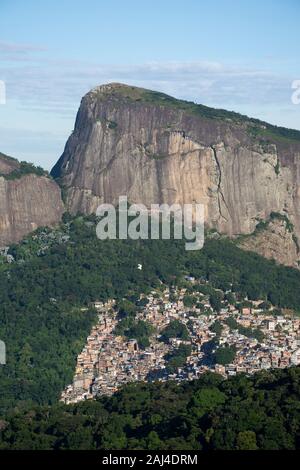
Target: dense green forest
[
  {"x": 43, "y": 292},
  {"x": 261, "y": 412}
]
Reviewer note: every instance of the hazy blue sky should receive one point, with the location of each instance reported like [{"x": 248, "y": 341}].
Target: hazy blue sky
[{"x": 235, "y": 54}]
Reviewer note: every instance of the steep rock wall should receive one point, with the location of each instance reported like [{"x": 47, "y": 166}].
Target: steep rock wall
[
  {"x": 26, "y": 203},
  {"x": 124, "y": 144}
]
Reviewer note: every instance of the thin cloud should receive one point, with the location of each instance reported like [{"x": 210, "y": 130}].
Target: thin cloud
[
  {"x": 206, "y": 82},
  {"x": 9, "y": 47}
]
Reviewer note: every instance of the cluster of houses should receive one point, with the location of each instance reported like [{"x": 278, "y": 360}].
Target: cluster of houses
[
  {"x": 109, "y": 361},
  {"x": 279, "y": 348}
]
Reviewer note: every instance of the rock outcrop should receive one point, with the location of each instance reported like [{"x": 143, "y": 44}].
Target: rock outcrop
[
  {"x": 276, "y": 240},
  {"x": 155, "y": 149},
  {"x": 26, "y": 202},
  {"x": 7, "y": 164}
]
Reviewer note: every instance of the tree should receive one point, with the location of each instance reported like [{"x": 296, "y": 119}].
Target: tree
[
  {"x": 126, "y": 308},
  {"x": 205, "y": 400},
  {"x": 216, "y": 327},
  {"x": 175, "y": 329},
  {"x": 189, "y": 301},
  {"x": 231, "y": 298},
  {"x": 224, "y": 355},
  {"x": 153, "y": 441},
  {"x": 215, "y": 301},
  {"x": 139, "y": 330},
  {"x": 246, "y": 440},
  {"x": 177, "y": 358}
]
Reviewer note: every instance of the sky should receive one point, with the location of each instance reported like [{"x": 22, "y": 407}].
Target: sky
[{"x": 239, "y": 55}]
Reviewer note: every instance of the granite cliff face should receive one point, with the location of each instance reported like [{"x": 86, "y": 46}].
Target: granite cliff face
[
  {"x": 26, "y": 202},
  {"x": 154, "y": 149}
]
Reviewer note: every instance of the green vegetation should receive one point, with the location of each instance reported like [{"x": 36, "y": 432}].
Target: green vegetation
[
  {"x": 265, "y": 305},
  {"x": 231, "y": 298},
  {"x": 217, "y": 328},
  {"x": 39, "y": 243},
  {"x": 126, "y": 308},
  {"x": 260, "y": 412},
  {"x": 205, "y": 400},
  {"x": 139, "y": 330},
  {"x": 128, "y": 326},
  {"x": 189, "y": 301},
  {"x": 278, "y": 134},
  {"x": 263, "y": 225},
  {"x": 25, "y": 168},
  {"x": 112, "y": 125},
  {"x": 283, "y": 218},
  {"x": 157, "y": 156},
  {"x": 268, "y": 133},
  {"x": 226, "y": 266},
  {"x": 215, "y": 299},
  {"x": 177, "y": 358},
  {"x": 224, "y": 355},
  {"x": 43, "y": 291},
  {"x": 175, "y": 329}
]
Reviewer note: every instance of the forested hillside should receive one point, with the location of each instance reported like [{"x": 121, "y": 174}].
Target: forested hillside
[
  {"x": 56, "y": 274},
  {"x": 261, "y": 412}
]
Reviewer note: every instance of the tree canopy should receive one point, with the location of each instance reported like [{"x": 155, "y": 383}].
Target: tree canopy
[{"x": 241, "y": 413}]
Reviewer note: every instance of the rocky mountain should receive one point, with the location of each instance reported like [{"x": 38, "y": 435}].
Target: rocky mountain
[
  {"x": 28, "y": 199},
  {"x": 154, "y": 149}
]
